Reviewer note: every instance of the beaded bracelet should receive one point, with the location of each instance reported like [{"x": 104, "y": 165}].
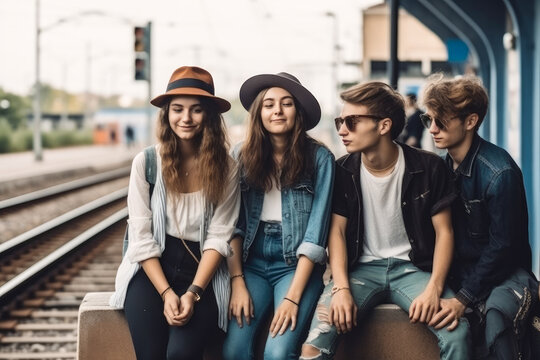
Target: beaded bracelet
[{"x": 237, "y": 275}]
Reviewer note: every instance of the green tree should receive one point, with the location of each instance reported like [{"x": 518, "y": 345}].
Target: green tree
[{"x": 14, "y": 108}]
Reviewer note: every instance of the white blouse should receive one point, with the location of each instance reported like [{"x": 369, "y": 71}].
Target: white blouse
[
  {"x": 184, "y": 222},
  {"x": 188, "y": 215}
]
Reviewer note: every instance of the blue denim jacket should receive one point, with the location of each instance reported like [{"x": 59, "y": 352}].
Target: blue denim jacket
[
  {"x": 490, "y": 221},
  {"x": 305, "y": 211}
]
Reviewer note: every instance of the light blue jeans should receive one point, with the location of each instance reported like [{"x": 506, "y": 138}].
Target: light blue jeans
[
  {"x": 387, "y": 280},
  {"x": 268, "y": 278}
]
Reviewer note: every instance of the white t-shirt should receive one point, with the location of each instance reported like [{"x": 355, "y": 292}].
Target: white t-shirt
[
  {"x": 271, "y": 210},
  {"x": 384, "y": 230}
]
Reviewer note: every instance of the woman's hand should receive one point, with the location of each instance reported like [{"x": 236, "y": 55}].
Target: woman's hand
[
  {"x": 240, "y": 303},
  {"x": 187, "y": 307},
  {"x": 171, "y": 308},
  {"x": 286, "y": 313},
  {"x": 343, "y": 311}
]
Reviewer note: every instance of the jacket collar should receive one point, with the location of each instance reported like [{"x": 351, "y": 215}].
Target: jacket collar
[
  {"x": 351, "y": 162},
  {"x": 465, "y": 168}
]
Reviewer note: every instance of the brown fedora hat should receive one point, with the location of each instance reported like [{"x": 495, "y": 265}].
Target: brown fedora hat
[
  {"x": 191, "y": 80},
  {"x": 253, "y": 86}
]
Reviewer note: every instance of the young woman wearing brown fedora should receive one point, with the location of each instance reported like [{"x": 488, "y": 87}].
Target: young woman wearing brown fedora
[
  {"x": 279, "y": 249},
  {"x": 172, "y": 283}
]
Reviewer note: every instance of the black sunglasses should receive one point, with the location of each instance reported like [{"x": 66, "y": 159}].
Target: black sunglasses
[
  {"x": 352, "y": 120},
  {"x": 427, "y": 120}
]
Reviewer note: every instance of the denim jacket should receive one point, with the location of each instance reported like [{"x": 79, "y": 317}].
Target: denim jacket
[
  {"x": 305, "y": 212},
  {"x": 427, "y": 189},
  {"x": 490, "y": 221}
]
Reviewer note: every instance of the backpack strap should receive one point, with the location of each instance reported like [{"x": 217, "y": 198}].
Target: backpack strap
[{"x": 150, "y": 167}]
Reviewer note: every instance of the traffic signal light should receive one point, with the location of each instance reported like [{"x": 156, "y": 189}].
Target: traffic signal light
[
  {"x": 141, "y": 68},
  {"x": 142, "y": 52}
]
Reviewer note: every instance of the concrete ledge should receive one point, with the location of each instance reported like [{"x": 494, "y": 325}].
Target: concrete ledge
[
  {"x": 385, "y": 334},
  {"x": 103, "y": 332}
]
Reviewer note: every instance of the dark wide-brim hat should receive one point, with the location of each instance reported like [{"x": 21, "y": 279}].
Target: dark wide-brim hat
[
  {"x": 253, "y": 86},
  {"x": 191, "y": 80}
]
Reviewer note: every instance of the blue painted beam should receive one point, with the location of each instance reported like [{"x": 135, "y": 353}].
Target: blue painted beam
[
  {"x": 526, "y": 18},
  {"x": 446, "y": 15},
  {"x": 490, "y": 28}
]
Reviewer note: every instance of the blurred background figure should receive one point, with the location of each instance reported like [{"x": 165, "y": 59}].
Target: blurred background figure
[
  {"x": 412, "y": 133},
  {"x": 130, "y": 136}
]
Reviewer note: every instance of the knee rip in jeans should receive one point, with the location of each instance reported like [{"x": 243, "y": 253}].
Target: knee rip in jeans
[
  {"x": 410, "y": 270},
  {"x": 524, "y": 301},
  {"x": 524, "y": 307},
  {"x": 321, "y": 312},
  {"x": 310, "y": 352},
  {"x": 356, "y": 282}
]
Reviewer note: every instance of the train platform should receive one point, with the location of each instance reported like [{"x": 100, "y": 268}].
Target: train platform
[{"x": 18, "y": 168}]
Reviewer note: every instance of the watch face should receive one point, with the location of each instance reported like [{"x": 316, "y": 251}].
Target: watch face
[{"x": 197, "y": 296}]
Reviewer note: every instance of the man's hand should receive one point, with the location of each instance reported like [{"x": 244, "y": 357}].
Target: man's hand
[
  {"x": 451, "y": 310},
  {"x": 343, "y": 311},
  {"x": 424, "y": 306}
]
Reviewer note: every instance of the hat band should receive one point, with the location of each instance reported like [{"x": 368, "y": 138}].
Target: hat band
[{"x": 192, "y": 83}]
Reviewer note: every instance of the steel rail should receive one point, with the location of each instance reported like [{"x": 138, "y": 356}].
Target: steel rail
[
  {"x": 62, "y": 219},
  {"x": 15, "y": 284},
  {"x": 62, "y": 188}
]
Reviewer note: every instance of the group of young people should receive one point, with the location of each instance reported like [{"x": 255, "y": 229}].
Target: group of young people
[{"x": 240, "y": 239}]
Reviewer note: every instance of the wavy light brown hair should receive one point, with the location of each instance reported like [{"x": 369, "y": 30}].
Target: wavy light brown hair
[
  {"x": 212, "y": 144},
  {"x": 257, "y": 163},
  {"x": 456, "y": 97}
]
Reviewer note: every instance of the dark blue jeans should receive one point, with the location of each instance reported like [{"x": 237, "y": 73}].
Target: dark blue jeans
[{"x": 153, "y": 338}]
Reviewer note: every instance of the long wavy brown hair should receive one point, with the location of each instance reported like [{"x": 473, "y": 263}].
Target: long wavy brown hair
[
  {"x": 212, "y": 144},
  {"x": 257, "y": 163}
]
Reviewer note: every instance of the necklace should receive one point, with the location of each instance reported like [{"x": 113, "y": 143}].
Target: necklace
[
  {"x": 195, "y": 161},
  {"x": 372, "y": 170}
]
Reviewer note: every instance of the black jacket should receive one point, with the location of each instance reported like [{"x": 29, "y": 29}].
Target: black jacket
[{"x": 426, "y": 190}]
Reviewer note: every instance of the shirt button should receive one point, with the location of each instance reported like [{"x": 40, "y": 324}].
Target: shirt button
[
  {"x": 404, "y": 203},
  {"x": 412, "y": 241},
  {"x": 287, "y": 216}
]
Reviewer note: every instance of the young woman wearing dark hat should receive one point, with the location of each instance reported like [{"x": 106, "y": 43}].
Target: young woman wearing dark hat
[
  {"x": 279, "y": 251},
  {"x": 173, "y": 296}
]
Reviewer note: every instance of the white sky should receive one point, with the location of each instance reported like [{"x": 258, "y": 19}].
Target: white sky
[{"x": 232, "y": 39}]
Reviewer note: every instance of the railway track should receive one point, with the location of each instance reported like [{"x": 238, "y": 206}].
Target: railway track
[
  {"x": 46, "y": 271},
  {"x": 22, "y": 213}
]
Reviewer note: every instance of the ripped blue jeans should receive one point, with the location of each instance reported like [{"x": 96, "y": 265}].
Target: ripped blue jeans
[
  {"x": 505, "y": 316},
  {"x": 382, "y": 281}
]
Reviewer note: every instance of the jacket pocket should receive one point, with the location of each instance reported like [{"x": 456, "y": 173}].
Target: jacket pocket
[
  {"x": 303, "y": 197},
  {"x": 477, "y": 218}
]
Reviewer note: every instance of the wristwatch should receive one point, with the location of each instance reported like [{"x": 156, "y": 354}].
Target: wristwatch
[{"x": 196, "y": 290}]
